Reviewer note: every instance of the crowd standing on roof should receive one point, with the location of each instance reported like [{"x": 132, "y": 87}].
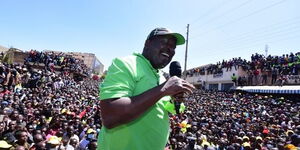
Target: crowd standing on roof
[
  {"x": 51, "y": 59},
  {"x": 261, "y": 70}
]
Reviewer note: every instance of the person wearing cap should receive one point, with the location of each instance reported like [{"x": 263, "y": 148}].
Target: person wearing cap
[
  {"x": 258, "y": 143},
  {"x": 4, "y": 145},
  {"x": 90, "y": 135},
  {"x": 134, "y": 92},
  {"x": 246, "y": 145}
]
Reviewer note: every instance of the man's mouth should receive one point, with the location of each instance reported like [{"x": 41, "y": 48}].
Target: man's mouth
[{"x": 165, "y": 54}]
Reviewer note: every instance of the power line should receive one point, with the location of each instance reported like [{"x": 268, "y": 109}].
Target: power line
[
  {"x": 254, "y": 44},
  {"x": 225, "y": 13},
  {"x": 241, "y": 18},
  {"x": 276, "y": 25},
  {"x": 213, "y": 9},
  {"x": 282, "y": 26},
  {"x": 262, "y": 37},
  {"x": 256, "y": 41},
  {"x": 265, "y": 34}
]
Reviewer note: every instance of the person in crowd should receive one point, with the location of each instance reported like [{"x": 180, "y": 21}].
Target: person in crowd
[
  {"x": 250, "y": 78},
  {"x": 92, "y": 145},
  {"x": 37, "y": 138},
  {"x": 275, "y": 72},
  {"x": 21, "y": 137},
  {"x": 90, "y": 136},
  {"x": 40, "y": 145},
  {"x": 264, "y": 77},
  {"x": 234, "y": 79}
]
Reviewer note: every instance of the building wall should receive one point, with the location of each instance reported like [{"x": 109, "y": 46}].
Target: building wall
[
  {"x": 98, "y": 66},
  {"x": 211, "y": 81},
  {"x": 3, "y": 49},
  {"x": 19, "y": 57},
  {"x": 90, "y": 60}
]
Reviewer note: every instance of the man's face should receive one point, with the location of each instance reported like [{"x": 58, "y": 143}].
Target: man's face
[
  {"x": 93, "y": 146},
  {"x": 12, "y": 125},
  {"x": 23, "y": 137},
  {"x": 2, "y": 126},
  {"x": 37, "y": 138},
  {"x": 160, "y": 50}
]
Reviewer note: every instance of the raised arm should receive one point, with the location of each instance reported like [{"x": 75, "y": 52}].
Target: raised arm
[{"x": 118, "y": 111}]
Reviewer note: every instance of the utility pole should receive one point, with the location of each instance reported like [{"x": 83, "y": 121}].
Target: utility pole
[
  {"x": 186, "y": 49},
  {"x": 266, "y": 50}
]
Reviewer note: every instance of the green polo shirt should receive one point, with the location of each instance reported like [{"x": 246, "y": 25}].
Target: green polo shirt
[{"x": 127, "y": 77}]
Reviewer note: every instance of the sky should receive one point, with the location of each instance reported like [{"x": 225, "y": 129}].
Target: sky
[{"x": 219, "y": 29}]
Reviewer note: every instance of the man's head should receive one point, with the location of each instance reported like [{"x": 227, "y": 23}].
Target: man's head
[
  {"x": 160, "y": 46},
  {"x": 12, "y": 125},
  {"x": 38, "y": 138},
  {"x": 70, "y": 130},
  {"x": 21, "y": 136},
  {"x": 20, "y": 148},
  {"x": 73, "y": 142},
  {"x": 92, "y": 145},
  {"x": 41, "y": 145}
]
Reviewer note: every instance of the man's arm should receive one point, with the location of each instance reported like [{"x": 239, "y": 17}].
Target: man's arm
[{"x": 118, "y": 111}]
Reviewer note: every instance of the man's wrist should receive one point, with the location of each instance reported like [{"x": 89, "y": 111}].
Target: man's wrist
[{"x": 163, "y": 90}]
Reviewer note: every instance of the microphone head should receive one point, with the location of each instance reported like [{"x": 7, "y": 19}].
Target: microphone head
[{"x": 175, "y": 69}]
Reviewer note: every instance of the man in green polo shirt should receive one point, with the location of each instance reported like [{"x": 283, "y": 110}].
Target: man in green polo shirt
[{"x": 134, "y": 93}]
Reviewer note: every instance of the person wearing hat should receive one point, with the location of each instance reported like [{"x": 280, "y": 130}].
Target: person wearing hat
[
  {"x": 53, "y": 143},
  {"x": 9, "y": 134},
  {"x": 246, "y": 139},
  {"x": 258, "y": 143},
  {"x": 133, "y": 94},
  {"x": 90, "y": 135},
  {"x": 246, "y": 145},
  {"x": 4, "y": 145}
]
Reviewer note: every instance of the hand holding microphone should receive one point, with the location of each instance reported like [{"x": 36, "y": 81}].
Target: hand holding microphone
[{"x": 175, "y": 86}]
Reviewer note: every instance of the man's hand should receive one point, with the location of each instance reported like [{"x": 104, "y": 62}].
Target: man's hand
[
  {"x": 175, "y": 85},
  {"x": 118, "y": 111}
]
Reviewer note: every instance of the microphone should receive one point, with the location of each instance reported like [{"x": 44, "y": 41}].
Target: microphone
[{"x": 175, "y": 70}]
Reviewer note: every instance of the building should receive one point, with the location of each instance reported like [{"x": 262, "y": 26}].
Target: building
[
  {"x": 13, "y": 55},
  {"x": 89, "y": 59},
  {"x": 3, "y": 49},
  {"x": 221, "y": 81}
]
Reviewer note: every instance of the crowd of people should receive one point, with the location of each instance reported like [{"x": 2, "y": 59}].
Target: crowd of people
[
  {"x": 44, "y": 109},
  {"x": 51, "y": 59},
  {"x": 41, "y": 109},
  {"x": 261, "y": 70},
  {"x": 220, "y": 120}
]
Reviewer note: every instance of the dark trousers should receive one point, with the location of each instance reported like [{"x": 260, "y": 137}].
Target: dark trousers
[{"x": 274, "y": 78}]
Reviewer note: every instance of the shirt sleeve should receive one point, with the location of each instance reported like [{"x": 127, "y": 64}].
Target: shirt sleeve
[{"x": 119, "y": 81}]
